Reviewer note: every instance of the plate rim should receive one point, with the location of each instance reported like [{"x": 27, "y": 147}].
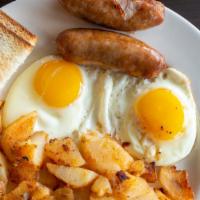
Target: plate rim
[{"x": 171, "y": 12}]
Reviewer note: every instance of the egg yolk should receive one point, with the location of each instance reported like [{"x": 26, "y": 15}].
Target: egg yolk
[
  {"x": 58, "y": 83},
  {"x": 160, "y": 114}
]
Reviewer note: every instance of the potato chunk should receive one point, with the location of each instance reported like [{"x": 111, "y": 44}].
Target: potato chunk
[
  {"x": 82, "y": 193},
  {"x": 175, "y": 183},
  {"x": 150, "y": 174},
  {"x": 101, "y": 186},
  {"x": 103, "y": 154},
  {"x": 161, "y": 196},
  {"x": 3, "y": 174},
  {"x": 64, "y": 193},
  {"x": 21, "y": 192},
  {"x": 137, "y": 168},
  {"x": 39, "y": 139},
  {"x": 23, "y": 171},
  {"x": 40, "y": 192},
  {"x": 149, "y": 196},
  {"x": 134, "y": 187},
  {"x": 48, "y": 179},
  {"x": 32, "y": 149},
  {"x": 74, "y": 176},
  {"x": 64, "y": 152},
  {"x": 94, "y": 197},
  {"x": 1, "y": 105},
  {"x": 50, "y": 197},
  {"x": 18, "y": 131},
  {"x": 145, "y": 170}
]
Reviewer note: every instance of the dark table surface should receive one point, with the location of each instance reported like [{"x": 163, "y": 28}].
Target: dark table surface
[{"x": 190, "y": 9}]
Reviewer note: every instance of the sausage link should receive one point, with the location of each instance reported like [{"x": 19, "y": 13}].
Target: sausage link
[
  {"x": 110, "y": 50},
  {"x": 125, "y": 15}
]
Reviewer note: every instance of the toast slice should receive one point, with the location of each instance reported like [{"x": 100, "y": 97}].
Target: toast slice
[
  {"x": 17, "y": 28},
  {"x": 16, "y": 43}
]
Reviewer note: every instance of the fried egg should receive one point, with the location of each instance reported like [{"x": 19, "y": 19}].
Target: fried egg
[
  {"x": 61, "y": 93},
  {"x": 157, "y": 118}
]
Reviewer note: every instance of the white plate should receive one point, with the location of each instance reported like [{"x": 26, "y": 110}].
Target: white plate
[{"x": 176, "y": 39}]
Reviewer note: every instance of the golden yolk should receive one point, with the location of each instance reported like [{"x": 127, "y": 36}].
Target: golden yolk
[
  {"x": 160, "y": 114},
  {"x": 58, "y": 83}
]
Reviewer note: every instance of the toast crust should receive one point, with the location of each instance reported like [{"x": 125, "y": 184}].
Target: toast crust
[{"x": 17, "y": 28}]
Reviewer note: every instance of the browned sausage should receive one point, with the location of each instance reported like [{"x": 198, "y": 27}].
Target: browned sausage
[
  {"x": 126, "y": 15},
  {"x": 110, "y": 50}
]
